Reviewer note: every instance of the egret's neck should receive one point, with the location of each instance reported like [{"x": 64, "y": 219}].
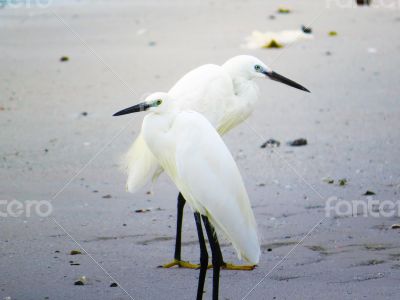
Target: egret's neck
[
  {"x": 242, "y": 105},
  {"x": 246, "y": 90},
  {"x": 155, "y": 128}
]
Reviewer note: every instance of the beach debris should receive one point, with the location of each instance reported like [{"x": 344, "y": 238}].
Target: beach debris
[
  {"x": 342, "y": 182},
  {"x": 369, "y": 193},
  {"x": 74, "y": 264},
  {"x": 272, "y": 17},
  {"x": 273, "y": 44},
  {"x": 319, "y": 249},
  {"x": 306, "y": 29},
  {"x": 283, "y": 10},
  {"x": 332, "y": 33},
  {"x": 142, "y": 210},
  {"x": 46, "y": 150},
  {"x": 271, "y": 39},
  {"x": 114, "y": 284},
  {"x": 108, "y": 196},
  {"x": 271, "y": 143},
  {"x": 395, "y": 226},
  {"x": 363, "y": 2},
  {"x": 64, "y": 58},
  {"x": 152, "y": 43},
  {"x": 328, "y": 53},
  {"x": 298, "y": 142},
  {"x": 371, "y": 262},
  {"x": 375, "y": 247},
  {"x": 81, "y": 281},
  {"x": 84, "y": 113},
  {"x": 75, "y": 252},
  {"x": 328, "y": 180},
  {"x": 141, "y": 31}
]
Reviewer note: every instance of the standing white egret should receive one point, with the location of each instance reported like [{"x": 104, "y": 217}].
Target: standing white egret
[
  {"x": 194, "y": 156},
  {"x": 226, "y": 96}
]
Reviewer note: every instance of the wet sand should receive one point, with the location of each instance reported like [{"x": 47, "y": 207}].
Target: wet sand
[{"x": 56, "y": 128}]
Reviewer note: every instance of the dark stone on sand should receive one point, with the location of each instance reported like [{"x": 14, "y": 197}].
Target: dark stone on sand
[
  {"x": 271, "y": 143},
  {"x": 298, "y": 142}
]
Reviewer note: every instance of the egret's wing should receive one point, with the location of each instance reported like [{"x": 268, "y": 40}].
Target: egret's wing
[
  {"x": 141, "y": 165},
  {"x": 206, "y": 89},
  {"x": 209, "y": 179}
]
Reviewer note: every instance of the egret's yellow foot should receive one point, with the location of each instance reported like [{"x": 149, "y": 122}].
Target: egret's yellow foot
[
  {"x": 227, "y": 266},
  {"x": 181, "y": 264}
]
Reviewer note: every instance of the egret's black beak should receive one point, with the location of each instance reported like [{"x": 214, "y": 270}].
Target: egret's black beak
[
  {"x": 136, "y": 108},
  {"x": 277, "y": 77}
]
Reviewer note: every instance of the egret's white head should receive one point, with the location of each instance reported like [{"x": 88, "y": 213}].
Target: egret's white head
[
  {"x": 249, "y": 67},
  {"x": 245, "y": 66},
  {"x": 157, "y": 102}
]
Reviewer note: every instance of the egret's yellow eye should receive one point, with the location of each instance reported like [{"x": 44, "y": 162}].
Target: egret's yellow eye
[
  {"x": 258, "y": 68},
  {"x": 158, "y": 102}
]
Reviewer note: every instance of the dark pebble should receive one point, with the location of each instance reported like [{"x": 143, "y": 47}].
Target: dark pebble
[
  {"x": 271, "y": 143},
  {"x": 114, "y": 284},
  {"x": 307, "y": 30},
  {"x": 298, "y": 142},
  {"x": 368, "y": 193}
]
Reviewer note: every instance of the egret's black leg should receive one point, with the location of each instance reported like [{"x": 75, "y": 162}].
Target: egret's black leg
[
  {"x": 178, "y": 241},
  {"x": 216, "y": 255},
  {"x": 203, "y": 257},
  {"x": 181, "y": 205}
]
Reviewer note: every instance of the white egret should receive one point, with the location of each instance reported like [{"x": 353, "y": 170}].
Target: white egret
[
  {"x": 226, "y": 96},
  {"x": 194, "y": 156}
]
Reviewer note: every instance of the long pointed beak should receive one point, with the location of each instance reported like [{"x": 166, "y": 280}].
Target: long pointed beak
[
  {"x": 136, "y": 108},
  {"x": 277, "y": 77}
]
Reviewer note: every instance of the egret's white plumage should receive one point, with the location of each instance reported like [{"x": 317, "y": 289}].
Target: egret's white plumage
[
  {"x": 225, "y": 95},
  {"x": 193, "y": 154}
]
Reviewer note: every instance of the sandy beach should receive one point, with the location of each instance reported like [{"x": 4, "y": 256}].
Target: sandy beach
[{"x": 60, "y": 144}]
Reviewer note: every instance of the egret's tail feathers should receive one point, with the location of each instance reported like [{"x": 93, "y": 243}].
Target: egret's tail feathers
[
  {"x": 140, "y": 165},
  {"x": 242, "y": 232},
  {"x": 250, "y": 250}
]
